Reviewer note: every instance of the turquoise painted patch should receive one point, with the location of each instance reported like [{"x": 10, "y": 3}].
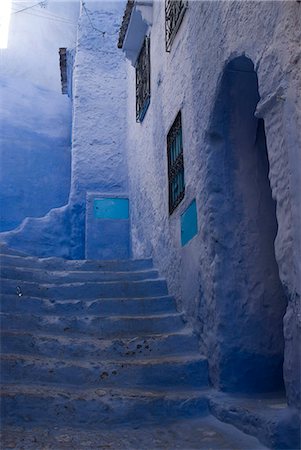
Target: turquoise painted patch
[
  {"x": 111, "y": 208},
  {"x": 189, "y": 223}
]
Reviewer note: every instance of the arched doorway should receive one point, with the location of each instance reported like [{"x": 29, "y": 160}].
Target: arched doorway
[{"x": 249, "y": 298}]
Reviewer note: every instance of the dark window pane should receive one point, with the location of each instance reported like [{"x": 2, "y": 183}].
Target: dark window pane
[
  {"x": 175, "y": 164},
  {"x": 143, "y": 81}
]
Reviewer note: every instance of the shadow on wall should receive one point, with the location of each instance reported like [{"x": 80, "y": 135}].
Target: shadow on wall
[
  {"x": 35, "y": 174},
  {"x": 249, "y": 297},
  {"x": 35, "y": 143}
]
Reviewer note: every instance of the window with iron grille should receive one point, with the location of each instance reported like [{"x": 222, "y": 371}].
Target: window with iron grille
[
  {"x": 174, "y": 12},
  {"x": 143, "y": 80},
  {"x": 175, "y": 164}
]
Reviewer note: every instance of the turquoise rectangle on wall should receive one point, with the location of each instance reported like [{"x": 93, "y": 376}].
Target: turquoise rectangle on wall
[
  {"x": 189, "y": 223},
  {"x": 111, "y": 208}
]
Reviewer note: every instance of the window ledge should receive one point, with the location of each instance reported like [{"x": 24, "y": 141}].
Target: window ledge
[{"x": 138, "y": 27}]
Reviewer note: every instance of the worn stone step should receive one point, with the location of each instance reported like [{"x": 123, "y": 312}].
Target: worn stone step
[
  {"x": 56, "y": 264},
  {"x": 88, "y": 290},
  {"x": 173, "y": 372},
  {"x": 265, "y": 416},
  {"x": 106, "y": 306},
  {"x": 5, "y": 250},
  {"x": 163, "y": 432},
  {"x": 65, "y": 347},
  {"x": 97, "y": 408},
  {"x": 100, "y": 326},
  {"x": 62, "y": 276}
]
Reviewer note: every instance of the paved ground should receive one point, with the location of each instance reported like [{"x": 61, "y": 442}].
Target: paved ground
[{"x": 203, "y": 434}]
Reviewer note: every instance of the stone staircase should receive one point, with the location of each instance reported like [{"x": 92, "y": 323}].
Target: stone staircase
[
  {"x": 95, "y": 355},
  {"x": 94, "y": 343}
]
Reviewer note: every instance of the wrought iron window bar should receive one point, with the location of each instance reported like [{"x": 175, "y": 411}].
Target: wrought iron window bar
[
  {"x": 174, "y": 13},
  {"x": 175, "y": 159},
  {"x": 143, "y": 91}
]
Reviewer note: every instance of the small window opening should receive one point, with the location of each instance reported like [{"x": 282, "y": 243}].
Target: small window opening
[
  {"x": 143, "y": 80},
  {"x": 175, "y": 164},
  {"x": 63, "y": 68}
]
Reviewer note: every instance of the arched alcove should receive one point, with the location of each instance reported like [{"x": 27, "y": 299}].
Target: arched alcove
[{"x": 249, "y": 298}]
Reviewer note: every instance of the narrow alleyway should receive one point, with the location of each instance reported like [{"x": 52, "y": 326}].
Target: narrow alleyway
[{"x": 150, "y": 225}]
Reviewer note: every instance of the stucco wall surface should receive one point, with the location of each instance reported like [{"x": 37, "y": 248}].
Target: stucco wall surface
[
  {"x": 98, "y": 144},
  {"x": 98, "y": 161},
  {"x": 198, "y": 274},
  {"x": 35, "y": 118}
]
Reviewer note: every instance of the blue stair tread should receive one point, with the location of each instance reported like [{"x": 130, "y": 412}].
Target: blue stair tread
[
  {"x": 44, "y": 390},
  {"x": 178, "y": 359}
]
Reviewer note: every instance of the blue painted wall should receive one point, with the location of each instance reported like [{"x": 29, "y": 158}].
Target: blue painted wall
[
  {"x": 226, "y": 278},
  {"x": 189, "y": 223},
  {"x": 35, "y": 165},
  {"x": 35, "y": 118},
  {"x": 107, "y": 227},
  {"x": 98, "y": 163}
]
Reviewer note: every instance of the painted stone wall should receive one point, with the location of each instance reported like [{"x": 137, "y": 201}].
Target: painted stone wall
[
  {"x": 199, "y": 274},
  {"x": 98, "y": 163},
  {"x": 99, "y": 119},
  {"x": 35, "y": 118}
]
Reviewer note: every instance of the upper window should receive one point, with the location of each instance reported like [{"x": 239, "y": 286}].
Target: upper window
[
  {"x": 143, "y": 80},
  {"x": 174, "y": 12},
  {"x": 175, "y": 164}
]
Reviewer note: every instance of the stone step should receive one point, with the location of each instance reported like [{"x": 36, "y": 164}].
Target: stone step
[
  {"x": 62, "y": 276},
  {"x": 162, "y": 431},
  {"x": 57, "y": 264},
  {"x": 65, "y": 347},
  {"x": 93, "y": 290},
  {"x": 97, "y": 408},
  {"x": 5, "y": 250},
  {"x": 100, "y": 326},
  {"x": 188, "y": 371},
  {"x": 265, "y": 416},
  {"x": 106, "y": 306}
]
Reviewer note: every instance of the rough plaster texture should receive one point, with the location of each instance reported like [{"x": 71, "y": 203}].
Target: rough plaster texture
[
  {"x": 243, "y": 217},
  {"x": 207, "y": 285},
  {"x": 98, "y": 145},
  {"x": 35, "y": 118},
  {"x": 98, "y": 148}
]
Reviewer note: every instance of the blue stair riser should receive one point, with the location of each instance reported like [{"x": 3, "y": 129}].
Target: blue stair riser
[
  {"x": 169, "y": 375},
  {"x": 102, "y": 327},
  {"x": 46, "y": 277},
  {"x": 90, "y": 327},
  {"x": 148, "y": 288},
  {"x": 114, "y": 306},
  {"x": 98, "y": 413},
  {"x": 68, "y": 348},
  {"x": 71, "y": 265}
]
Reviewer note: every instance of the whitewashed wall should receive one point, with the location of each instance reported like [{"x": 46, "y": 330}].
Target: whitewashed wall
[{"x": 213, "y": 33}]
